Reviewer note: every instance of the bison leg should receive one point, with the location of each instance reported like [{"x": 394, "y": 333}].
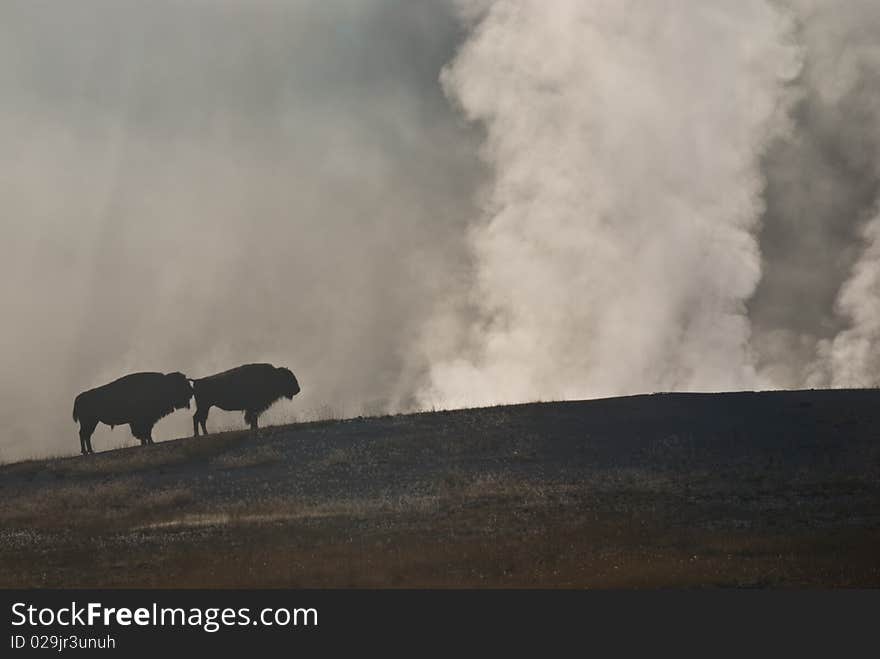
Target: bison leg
[
  {"x": 148, "y": 433},
  {"x": 143, "y": 431},
  {"x": 86, "y": 428},
  {"x": 199, "y": 418},
  {"x": 250, "y": 417}
]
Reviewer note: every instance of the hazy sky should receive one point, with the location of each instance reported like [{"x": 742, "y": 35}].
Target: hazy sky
[
  {"x": 194, "y": 185},
  {"x": 430, "y": 203}
]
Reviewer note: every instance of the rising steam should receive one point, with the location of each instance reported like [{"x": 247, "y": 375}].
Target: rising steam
[
  {"x": 617, "y": 248},
  {"x": 816, "y": 314}
]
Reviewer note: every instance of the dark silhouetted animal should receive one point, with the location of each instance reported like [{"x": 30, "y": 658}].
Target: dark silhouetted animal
[
  {"x": 139, "y": 399},
  {"x": 251, "y": 388}
]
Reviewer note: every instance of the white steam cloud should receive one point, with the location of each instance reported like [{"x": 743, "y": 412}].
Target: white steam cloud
[
  {"x": 617, "y": 249},
  {"x": 815, "y": 314},
  {"x": 852, "y": 358},
  {"x": 845, "y": 74}
]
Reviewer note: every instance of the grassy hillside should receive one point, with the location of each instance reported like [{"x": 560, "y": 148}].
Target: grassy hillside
[{"x": 740, "y": 489}]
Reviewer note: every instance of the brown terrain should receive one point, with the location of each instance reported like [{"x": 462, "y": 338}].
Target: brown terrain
[{"x": 770, "y": 489}]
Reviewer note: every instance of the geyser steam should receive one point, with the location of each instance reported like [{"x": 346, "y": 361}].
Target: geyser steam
[
  {"x": 617, "y": 247},
  {"x": 816, "y": 313}
]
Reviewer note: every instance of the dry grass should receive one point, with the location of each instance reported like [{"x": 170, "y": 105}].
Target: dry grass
[
  {"x": 104, "y": 504},
  {"x": 132, "y": 459},
  {"x": 556, "y": 496},
  {"x": 420, "y": 542},
  {"x": 283, "y": 510},
  {"x": 68, "y": 504},
  {"x": 338, "y": 458},
  {"x": 458, "y": 493},
  {"x": 158, "y": 501},
  {"x": 261, "y": 455}
]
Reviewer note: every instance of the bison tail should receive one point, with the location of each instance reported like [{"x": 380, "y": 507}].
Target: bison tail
[{"x": 76, "y": 411}]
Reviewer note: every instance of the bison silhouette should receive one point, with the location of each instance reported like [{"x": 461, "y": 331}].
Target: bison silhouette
[
  {"x": 138, "y": 399},
  {"x": 251, "y": 388}
]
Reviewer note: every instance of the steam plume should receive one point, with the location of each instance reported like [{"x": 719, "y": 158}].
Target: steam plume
[
  {"x": 815, "y": 314},
  {"x": 617, "y": 246}
]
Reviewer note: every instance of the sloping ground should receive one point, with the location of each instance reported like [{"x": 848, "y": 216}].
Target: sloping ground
[{"x": 739, "y": 489}]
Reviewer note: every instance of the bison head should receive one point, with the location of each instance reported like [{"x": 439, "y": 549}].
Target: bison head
[
  {"x": 180, "y": 390},
  {"x": 287, "y": 383}
]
